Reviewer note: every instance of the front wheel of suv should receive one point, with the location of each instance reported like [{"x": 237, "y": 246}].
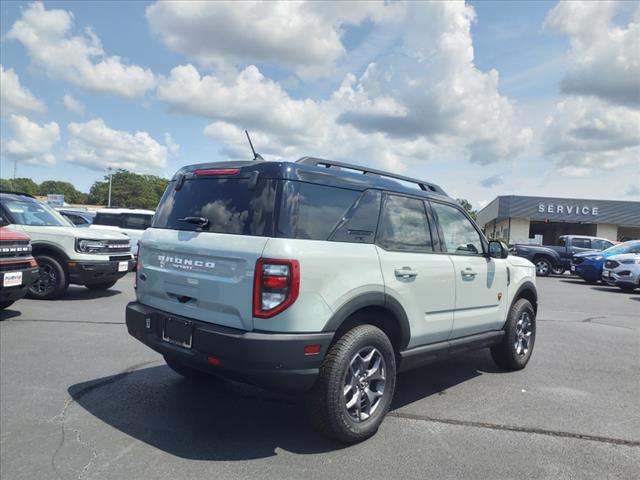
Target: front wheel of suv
[
  {"x": 355, "y": 386},
  {"x": 514, "y": 350},
  {"x": 52, "y": 279}
]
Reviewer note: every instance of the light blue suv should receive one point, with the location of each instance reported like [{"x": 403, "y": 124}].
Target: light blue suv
[{"x": 323, "y": 278}]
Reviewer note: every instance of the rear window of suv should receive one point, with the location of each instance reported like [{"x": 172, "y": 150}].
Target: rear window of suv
[{"x": 231, "y": 205}]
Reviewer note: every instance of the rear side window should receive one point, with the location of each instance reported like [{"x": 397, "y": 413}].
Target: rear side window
[
  {"x": 110, "y": 219},
  {"x": 581, "y": 243},
  {"x": 404, "y": 225},
  {"x": 598, "y": 244},
  {"x": 231, "y": 205},
  {"x": 136, "y": 221},
  {"x": 360, "y": 223},
  {"x": 311, "y": 211}
]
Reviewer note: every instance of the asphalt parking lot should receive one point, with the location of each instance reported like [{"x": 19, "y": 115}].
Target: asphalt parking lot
[{"x": 79, "y": 398}]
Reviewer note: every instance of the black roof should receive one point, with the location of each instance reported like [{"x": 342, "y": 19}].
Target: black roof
[
  {"x": 16, "y": 194},
  {"x": 327, "y": 172}
]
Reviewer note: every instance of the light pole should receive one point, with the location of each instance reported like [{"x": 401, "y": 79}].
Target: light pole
[{"x": 109, "y": 201}]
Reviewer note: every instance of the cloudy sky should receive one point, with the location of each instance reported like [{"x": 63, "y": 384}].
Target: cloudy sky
[{"x": 483, "y": 98}]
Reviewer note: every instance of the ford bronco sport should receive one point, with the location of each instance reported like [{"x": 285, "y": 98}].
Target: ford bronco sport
[
  {"x": 18, "y": 269},
  {"x": 65, "y": 254},
  {"x": 324, "y": 278}
]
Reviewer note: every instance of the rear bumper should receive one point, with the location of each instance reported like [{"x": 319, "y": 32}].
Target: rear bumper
[
  {"x": 11, "y": 294},
  {"x": 275, "y": 361},
  {"x": 86, "y": 273}
]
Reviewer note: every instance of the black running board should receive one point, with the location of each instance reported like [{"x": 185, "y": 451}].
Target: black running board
[{"x": 418, "y": 356}]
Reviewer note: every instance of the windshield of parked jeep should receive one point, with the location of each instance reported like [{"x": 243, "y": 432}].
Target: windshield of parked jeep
[
  {"x": 33, "y": 213},
  {"x": 226, "y": 205}
]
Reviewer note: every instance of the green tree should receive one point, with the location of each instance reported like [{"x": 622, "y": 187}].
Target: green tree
[
  {"x": 24, "y": 185},
  {"x": 468, "y": 207},
  {"x": 128, "y": 190},
  {"x": 71, "y": 195}
]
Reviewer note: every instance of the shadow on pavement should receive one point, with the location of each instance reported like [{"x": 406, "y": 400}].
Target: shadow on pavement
[
  {"x": 610, "y": 289},
  {"x": 9, "y": 313},
  {"x": 83, "y": 293},
  {"x": 222, "y": 420},
  {"x": 575, "y": 281}
]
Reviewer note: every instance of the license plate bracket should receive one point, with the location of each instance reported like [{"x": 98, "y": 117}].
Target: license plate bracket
[
  {"x": 178, "y": 332},
  {"x": 12, "y": 279}
]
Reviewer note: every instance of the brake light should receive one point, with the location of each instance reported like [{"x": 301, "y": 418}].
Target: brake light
[
  {"x": 276, "y": 284},
  {"x": 138, "y": 267},
  {"x": 212, "y": 172}
]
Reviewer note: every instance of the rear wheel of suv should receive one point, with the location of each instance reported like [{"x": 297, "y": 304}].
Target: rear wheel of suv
[
  {"x": 543, "y": 266},
  {"x": 101, "y": 286},
  {"x": 355, "y": 387},
  {"x": 186, "y": 371},
  {"x": 52, "y": 279},
  {"x": 514, "y": 350}
]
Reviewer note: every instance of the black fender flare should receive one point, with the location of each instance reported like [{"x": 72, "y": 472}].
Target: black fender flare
[
  {"x": 38, "y": 247},
  {"x": 528, "y": 287},
  {"x": 553, "y": 256},
  {"x": 373, "y": 299}
]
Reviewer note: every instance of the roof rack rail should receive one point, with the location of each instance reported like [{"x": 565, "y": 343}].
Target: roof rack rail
[{"x": 319, "y": 162}]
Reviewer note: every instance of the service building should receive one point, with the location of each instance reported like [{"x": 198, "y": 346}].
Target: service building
[{"x": 520, "y": 219}]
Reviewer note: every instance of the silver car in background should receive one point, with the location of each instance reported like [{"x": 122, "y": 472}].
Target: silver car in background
[{"x": 622, "y": 271}]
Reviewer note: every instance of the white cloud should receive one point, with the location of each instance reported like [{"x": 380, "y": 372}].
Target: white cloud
[
  {"x": 78, "y": 59},
  {"x": 604, "y": 59},
  {"x": 73, "y": 105},
  {"x": 427, "y": 96},
  {"x": 14, "y": 97},
  {"x": 96, "y": 146},
  {"x": 492, "y": 181},
  {"x": 31, "y": 143},
  {"x": 587, "y": 132},
  {"x": 303, "y": 36}
]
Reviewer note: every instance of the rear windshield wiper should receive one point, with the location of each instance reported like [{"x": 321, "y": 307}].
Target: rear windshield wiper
[{"x": 201, "y": 222}]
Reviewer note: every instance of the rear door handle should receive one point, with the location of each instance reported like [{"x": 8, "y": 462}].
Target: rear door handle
[
  {"x": 405, "y": 272},
  {"x": 468, "y": 274}
]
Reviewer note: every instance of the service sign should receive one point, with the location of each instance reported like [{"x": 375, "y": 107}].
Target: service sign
[
  {"x": 55, "y": 200},
  {"x": 567, "y": 209}
]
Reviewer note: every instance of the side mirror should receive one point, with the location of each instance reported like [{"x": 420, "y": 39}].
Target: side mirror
[{"x": 498, "y": 249}]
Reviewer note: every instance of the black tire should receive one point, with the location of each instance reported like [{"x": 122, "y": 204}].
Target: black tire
[
  {"x": 543, "y": 266},
  {"x": 52, "y": 281},
  {"x": 6, "y": 304},
  {"x": 186, "y": 371},
  {"x": 101, "y": 286},
  {"x": 326, "y": 402},
  {"x": 558, "y": 270},
  {"x": 590, "y": 281},
  {"x": 505, "y": 353},
  {"x": 628, "y": 288}
]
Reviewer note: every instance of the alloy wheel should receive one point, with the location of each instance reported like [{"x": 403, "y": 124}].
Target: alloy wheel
[
  {"x": 47, "y": 279},
  {"x": 524, "y": 334},
  {"x": 364, "y": 383},
  {"x": 542, "y": 267}
]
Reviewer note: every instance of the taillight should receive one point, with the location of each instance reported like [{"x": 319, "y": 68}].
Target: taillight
[
  {"x": 138, "y": 266},
  {"x": 276, "y": 285}
]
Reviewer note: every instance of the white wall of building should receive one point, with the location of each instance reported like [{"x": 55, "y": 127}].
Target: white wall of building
[
  {"x": 516, "y": 231},
  {"x": 606, "y": 230}
]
